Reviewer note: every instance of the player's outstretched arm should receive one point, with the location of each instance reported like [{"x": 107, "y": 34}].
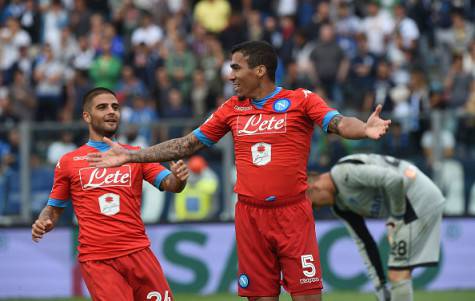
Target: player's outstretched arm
[
  {"x": 353, "y": 128},
  {"x": 46, "y": 221},
  {"x": 176, "y": 181},
  {"x": 173, "y": 149}
]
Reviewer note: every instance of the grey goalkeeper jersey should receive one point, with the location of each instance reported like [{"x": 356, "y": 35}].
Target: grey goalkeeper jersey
[{"x": 379, "y": 186}]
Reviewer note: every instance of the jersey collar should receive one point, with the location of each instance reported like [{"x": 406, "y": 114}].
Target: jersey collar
[
  {"x": 259, "y": 103},
  {"x": 99, "y": 145}
]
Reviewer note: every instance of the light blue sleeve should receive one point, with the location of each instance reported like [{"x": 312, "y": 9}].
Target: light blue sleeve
[
  {"x": 326, "y": 120},
  {"x": 162, "y": 175},
  {"x": 202, "y": 138},
  {"x": 58, "y": 203}
]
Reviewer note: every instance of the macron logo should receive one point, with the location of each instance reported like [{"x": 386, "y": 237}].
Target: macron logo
[
  {"x": 261, "y": 124},
  {"x": 92, "y": 177}
]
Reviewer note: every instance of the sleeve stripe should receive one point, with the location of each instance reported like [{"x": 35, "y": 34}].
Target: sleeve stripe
[
  {"x": 202, "y": 138},
  {"x": 58, "y": 203},
  {"x": 328, "y": 117},
  {"x": 162, "y": 175}
]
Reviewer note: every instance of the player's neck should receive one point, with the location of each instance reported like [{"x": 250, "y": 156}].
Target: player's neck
[
  {"x": 97, "y": 137},
  {"x": 264, "y": 90}
]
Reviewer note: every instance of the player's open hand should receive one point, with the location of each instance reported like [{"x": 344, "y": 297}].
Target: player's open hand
[
  {"x": 180, "y": 170},
  {"x": 39, "y": 228},
  {"x": 115, "y": 156},
  {"x": 375, "y": 126}
]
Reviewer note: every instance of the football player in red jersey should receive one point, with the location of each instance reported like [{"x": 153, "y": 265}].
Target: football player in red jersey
[
  {"x": 115, "y": 259},
  {"x": 272, "y": 128}
]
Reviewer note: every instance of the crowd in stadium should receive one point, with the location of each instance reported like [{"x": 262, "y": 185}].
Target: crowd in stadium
[{"x": 169, "y": 59}]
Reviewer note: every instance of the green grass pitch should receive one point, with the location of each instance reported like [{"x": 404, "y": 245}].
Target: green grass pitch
[{"x": 333, "y": 296}]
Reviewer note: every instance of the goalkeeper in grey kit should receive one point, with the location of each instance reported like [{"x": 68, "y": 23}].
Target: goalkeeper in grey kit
[{"x": 377, "y": 186}]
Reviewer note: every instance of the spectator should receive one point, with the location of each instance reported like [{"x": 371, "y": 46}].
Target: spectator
[
  {"x": 201, "y": 97},
  {"x": 84, "y": 56},
  {"x": 212, "y": 14},
  {"x": 329, "y": 62},
  {"x": 382, "y": 86},
  {"x": 117, "y": 43},
  {"x": 77, "y": 89},
  {"x": 180, "y": 64},
  {"x": 24, "y": 63},
  {"x": 197, "y": 201},
  {"x": 12, "y": 38},
  {"x": 347, "y": 26},
  {"x": 22, "y": 97},
  {"x": 175, "y": 108},
  {"x": 448, "y": 172},
  {"x": 130, "y": 86},
  {"x": 235, "y": 32},
  {"x": 49, "y": 76},
  {"x": 361, "y": 74},
  {"x": 148, "y": 32},
  {"x": 60, "y": 147},
  {"x": 105, "y": 69},
  {"x": 469, "y": 59},
  {"x": 140, "y": 113},
  {"x": 55, "y": 18},
  {"x": 96, "y": 33},
  {"x": 68, "y": 47},
  {"x": 79, "y": 18},
  {"x": 31, "y": 20},
  {"x": 406, "y": 27},
  {"x": 457, "y": 38},
  {"x": 457, "y": 83},
  {"x": 319, "y": 18},
  {"x": 377, "y": 26}
]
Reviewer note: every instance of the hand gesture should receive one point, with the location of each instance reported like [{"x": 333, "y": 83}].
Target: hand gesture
[
  {"x": 375, "y": 126},
  {"x": 39, "y": 228},
  {"x": 179, "y": 170},
  {"x": 115, "y": 156}
]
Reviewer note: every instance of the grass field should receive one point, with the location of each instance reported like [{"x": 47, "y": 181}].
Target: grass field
[{"x": 335, "y": 296}]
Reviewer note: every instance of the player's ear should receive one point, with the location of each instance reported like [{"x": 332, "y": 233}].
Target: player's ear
[
  {"x": 261, "y": 71},
  {"x": 86, "y": 116}
]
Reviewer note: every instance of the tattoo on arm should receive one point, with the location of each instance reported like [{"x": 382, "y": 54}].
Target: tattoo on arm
[
  {"x": 333, "y": 126},
  {"x": 173, "y": 149}
]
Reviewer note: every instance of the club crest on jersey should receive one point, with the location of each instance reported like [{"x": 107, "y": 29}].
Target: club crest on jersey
[
  {"x": 281, "y": 105},
  {"x": 93, "y": 177},
  {"x": 261, "y": 124},
  {"x": 243, "y": 281}
]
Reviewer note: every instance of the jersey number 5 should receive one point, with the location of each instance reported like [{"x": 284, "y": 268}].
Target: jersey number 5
[{"x": 308, "y": 267}]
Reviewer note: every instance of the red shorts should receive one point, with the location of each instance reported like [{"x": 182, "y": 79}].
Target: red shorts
[
  {"x": 277, "y": 245},
  {"x": 136, "y": 276}
]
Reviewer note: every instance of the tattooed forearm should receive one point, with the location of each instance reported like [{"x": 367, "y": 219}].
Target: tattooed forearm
[
  {"x": 173, "y": 149},
  {"x": 333, "y": 126}
]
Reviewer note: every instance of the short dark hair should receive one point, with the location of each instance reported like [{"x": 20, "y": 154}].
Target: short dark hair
[
  {"x": 86, "y": 100},
  {"x": 259, "y": 53}
]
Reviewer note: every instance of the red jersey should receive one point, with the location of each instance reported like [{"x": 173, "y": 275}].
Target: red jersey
[
  {"x": 271, "y": 140},
  {"x": 106, "y": 201}
]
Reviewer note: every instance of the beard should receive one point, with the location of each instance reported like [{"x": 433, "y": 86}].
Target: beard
[{"x": 103, "y": 129}]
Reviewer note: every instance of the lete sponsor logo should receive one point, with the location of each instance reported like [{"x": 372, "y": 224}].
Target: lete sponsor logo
[
  {"x": 92, "y": 177},
  {"x": 261, "y": 124}
]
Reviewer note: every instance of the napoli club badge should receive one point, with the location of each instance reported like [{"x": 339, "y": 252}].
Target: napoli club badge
[
  {"x": 281, "y": 105},
  {"x": 243, "y": 281}
]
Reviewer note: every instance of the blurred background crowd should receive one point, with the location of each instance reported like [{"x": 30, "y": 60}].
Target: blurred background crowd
[{"x": 168, "y": 61}]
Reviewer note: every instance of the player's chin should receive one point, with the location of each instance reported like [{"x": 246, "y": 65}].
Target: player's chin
[{"x": 109, "y": 131}]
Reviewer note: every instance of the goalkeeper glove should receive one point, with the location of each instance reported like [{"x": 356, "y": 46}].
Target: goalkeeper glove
[
  {"x": 383, "y": 293},
  {"x": 392, "y": 226}
]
